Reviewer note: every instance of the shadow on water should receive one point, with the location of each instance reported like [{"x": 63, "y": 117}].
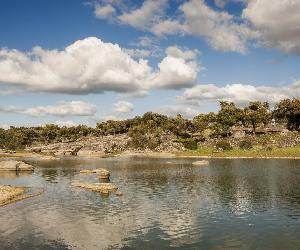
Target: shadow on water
[{"x": 167, "y": 204}]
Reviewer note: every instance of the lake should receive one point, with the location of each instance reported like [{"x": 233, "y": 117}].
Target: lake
[{"x": 167, "y": 204}]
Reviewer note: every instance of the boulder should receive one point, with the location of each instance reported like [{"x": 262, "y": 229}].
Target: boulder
[
  {"x": 103, "y": 173},
  {"x": 25, "y": 167},
  {"x": 96, "y": 187},
  {"x": 12, "y": 165},
  {"x": 201, "y": 163}
]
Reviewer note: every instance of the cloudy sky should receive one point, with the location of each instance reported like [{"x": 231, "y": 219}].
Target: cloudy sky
[{"x": 80, "y": 61}]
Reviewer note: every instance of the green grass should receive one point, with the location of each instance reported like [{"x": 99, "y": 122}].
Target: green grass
[{"x": 291, "y": 152}]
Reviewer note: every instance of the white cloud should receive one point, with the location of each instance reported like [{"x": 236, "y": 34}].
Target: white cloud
[
  {"x": 178, "y": 52},
  {"x": 89, "y": 66},
  {"x": 4, "y": 92},
  {"x": 277, "y": 21},
  {"x": 222, "y": 3},
  {"x": 73, "y": 108},
  {"x": 138, "y": 53},
  {"x": 219, "y": 28},
  {"x": 4, "y": 126},
  {"x": 175, "y": 73},
  {"x": 66, "y": 123},
  {"x": 167, "y": 27},
  {"x": 104, "y": 12},
  {"x": 123, "y": 107},
  {"x": 173, "y": 110},
  {"x": 145, "y": 15},
  {"x": 239, "y": 93}
]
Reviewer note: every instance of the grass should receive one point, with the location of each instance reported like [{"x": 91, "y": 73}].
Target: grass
[{"x": 288, "y": 152}]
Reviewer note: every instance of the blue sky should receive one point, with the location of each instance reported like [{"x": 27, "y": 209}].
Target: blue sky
[{"x": 129, "y": 57}]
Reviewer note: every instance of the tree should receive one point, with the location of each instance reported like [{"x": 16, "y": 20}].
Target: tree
[
  {"x": 256, "y": 113},
  {"x": 288, "y": 111},
  {"x": 228, "y": 116},
  {"x": 204, "y": 121}
]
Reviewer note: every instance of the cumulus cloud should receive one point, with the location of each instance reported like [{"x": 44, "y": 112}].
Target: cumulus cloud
[
  {"x": 274, "y": 25},
  {"x": 277, "y": 23},
  {"x": 104, "y": 12},
  {"x": 177, "y": 52},
  {"x": 138, "y": 53},
  {"x": 173, "y": 110},
  {"x": 73, "y": 108},
  {"x": 123, "y": 107},
  {"x": 90, "y": 66},
  {"x": 66, "y": 123},
  {"x": 145, "y": 15},
  {"x": 219, "y": 28},
  {"x": 239, "y": 93},
  {"x": 175, "y": 73}
]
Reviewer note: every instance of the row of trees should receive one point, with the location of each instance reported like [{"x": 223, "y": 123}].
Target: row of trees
[{"x": 151, "y": 126}]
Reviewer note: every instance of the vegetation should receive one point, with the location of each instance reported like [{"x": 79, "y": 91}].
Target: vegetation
[{"x": 149, "y": 130}]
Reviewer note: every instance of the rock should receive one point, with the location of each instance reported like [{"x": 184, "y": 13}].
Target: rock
[
  {"x": 103, "y": 173},
  {"x": 104, "y": 194},
  {"x": 15, "y": 166},
  {"x": 96, "y": 187},
  {"x": 25, "y": 167},
  {"x": 201, "y": 163},
  {"x": 8, "y": 193},
  {"x": 48, "y": 158},
  {"x": 118, "y": 193}
]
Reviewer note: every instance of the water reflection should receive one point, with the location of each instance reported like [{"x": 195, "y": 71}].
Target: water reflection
[{"x": 165, "y": 205}]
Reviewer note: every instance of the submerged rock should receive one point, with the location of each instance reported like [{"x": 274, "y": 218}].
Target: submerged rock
[
  {"x": 201, "y": 163},
  {"x": 97, "y": 187},
  {"x": 118, "y": 193},
  {"x": 103, "y": 173},
  {"x": 12, "y": 165}
]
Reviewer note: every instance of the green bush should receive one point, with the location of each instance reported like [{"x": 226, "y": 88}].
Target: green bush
[
  {"x": 246, "y": 144},
  {"x": 189, "y": 143},
  {"x": 224, "y": 145}
]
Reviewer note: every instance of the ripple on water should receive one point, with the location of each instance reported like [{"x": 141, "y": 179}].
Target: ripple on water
[{"x": 174, "y": 205}]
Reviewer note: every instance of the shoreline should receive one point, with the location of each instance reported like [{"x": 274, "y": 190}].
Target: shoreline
[{"x": 149, "y": 154}]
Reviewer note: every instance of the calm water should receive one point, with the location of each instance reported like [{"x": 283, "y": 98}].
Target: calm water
[{"x": 167, "y": 204}]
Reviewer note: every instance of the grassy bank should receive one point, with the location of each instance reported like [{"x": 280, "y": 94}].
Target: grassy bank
[{"x": 289, "y": 152}]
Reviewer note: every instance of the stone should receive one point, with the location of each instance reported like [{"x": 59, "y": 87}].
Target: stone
[
  {"x": 12, "y": 165},
  {"x": 103, "y": 173},
  {"x": 118, "y": 193},
  {"x": 201, "y": 163},
  {"x": 96, "y": 187}
]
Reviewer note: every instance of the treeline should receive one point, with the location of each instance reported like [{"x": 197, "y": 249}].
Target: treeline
[{"x": 149, "y": 128}]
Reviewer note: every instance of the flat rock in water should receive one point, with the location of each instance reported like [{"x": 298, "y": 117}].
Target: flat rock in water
[
  {"x": 7, "y": 193},
  {"x": 15, "y": 166},
  {"x": 97, "y": 187},
  {"x": 104, "y": 173},
  {"x": 201, "y": 163}
]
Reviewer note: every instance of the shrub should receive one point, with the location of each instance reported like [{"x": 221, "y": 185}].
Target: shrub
[
  {"x": 189, "y": 143},
  {"x": 246, "y": 144},
  {"x": 224, "y": 145}
]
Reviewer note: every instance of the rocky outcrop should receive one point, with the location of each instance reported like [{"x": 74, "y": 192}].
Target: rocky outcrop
[{"x": 15, "y": 166}]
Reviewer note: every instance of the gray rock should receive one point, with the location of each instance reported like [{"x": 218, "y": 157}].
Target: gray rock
[{"x": 12, "y": 165}]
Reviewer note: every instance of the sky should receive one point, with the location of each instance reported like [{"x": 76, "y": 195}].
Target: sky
[{"x": 80, "y": 62}]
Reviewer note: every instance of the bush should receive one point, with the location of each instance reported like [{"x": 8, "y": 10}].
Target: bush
[
  {"x": 246, "y": 144},
  {"x": 224, "y": 145},
  {"x": 189, "y": 143}
]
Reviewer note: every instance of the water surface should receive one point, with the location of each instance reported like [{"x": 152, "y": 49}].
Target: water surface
[{"x": 167, "y": 204}]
